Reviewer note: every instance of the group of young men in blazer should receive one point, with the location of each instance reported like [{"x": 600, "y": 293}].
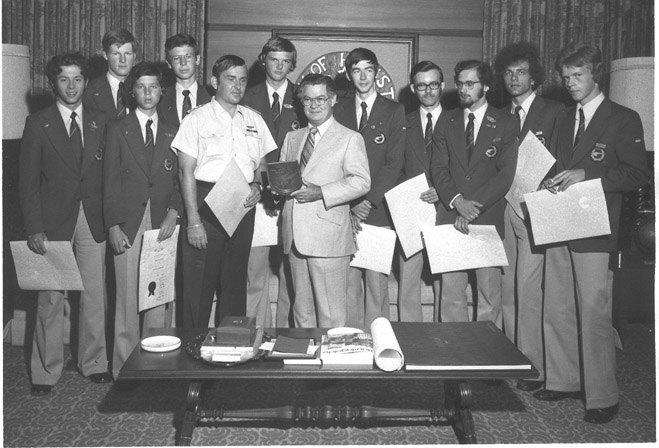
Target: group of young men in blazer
[{"x": 132, "y": 158}]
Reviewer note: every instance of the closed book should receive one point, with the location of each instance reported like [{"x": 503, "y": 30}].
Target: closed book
[
  {"x": 299, "y": 348},
  {"x": 458, "y": 346},
  {"x": 284, "y": 177},
  {"x": 235, "y": 331},
  {"x": 349, "y": 351}
]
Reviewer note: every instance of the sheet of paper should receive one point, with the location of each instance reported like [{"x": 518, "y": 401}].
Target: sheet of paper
[
  {"x": 56, "y": 270},
  {"x": 375, "y": 249},
  {"x": 266, "y": 232},
  {"x": 227, "y": 197},
  {"x": 533, "y": 163},
  {"x": 157, "y": 270},
  {"x": 409, "y": 213},
  {"x": 578, "y": 212},
  {"x": 449, "y": 250}
]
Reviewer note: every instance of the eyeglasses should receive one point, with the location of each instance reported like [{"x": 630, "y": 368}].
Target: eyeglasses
[
  {"x": 421, "y": 87},
  {"x": 178, "y": 60},
  {"x": 321, "y": 100},
  {"x": 468, "y": 84}
]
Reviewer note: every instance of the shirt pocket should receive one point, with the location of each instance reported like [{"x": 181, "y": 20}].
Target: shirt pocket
[{"x": 212, "y": 143}]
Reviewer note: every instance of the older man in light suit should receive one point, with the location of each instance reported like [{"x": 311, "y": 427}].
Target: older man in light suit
[{"x": 316, "y": 226}]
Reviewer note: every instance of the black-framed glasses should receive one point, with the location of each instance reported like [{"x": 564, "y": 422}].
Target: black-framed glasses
[
  {"x": 321, "y": 100},
  {"x": 422, "y": 86},
  {"x": 180, "y": 58},
  {"x": 468, "y": 84}
]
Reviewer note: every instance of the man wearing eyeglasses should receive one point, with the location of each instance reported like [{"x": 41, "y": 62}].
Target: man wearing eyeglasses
[
  {"x": 521, "y": 73},
  {"x": 472, "y": 168},
  {"x": 427, "y": 83},
  {"x": 182, "y": 55},
  {"x": 316, "y": 224}
]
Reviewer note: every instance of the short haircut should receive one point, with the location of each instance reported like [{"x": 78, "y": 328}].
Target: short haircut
[
  {"x": 425, "y": 66},
  {"x": 277, "y": 43},
  {"x": 225, "y": 63},
  {"x": 54, "y": 66},
  {"x": 143, "y": 69},
  {"x": 521, "y": 52},
  {"x": 361, "y": 54},
  {"x": 316, "y": 79},
  {"x": 580, "y": 55},
  {"x": 483, "y": 69},
  {"x": 180, "y": 40},
  {"x": 118, "y": 37}
]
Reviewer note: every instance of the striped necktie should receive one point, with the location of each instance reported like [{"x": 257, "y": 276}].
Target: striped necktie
[
  {"x": 75, "y": 138},
  {"x": 470, "y": 136},
  {"x": 364, "y": 118},
  {"x": 309, "y": 146},
  {"x": 187, "y": 103}
]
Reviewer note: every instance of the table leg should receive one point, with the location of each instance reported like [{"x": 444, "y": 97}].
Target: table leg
[
  {"x": 458, "y": 398},
  {"x": 190, "y": 417}
]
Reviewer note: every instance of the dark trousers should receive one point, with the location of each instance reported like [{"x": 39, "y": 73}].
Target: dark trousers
[{"x": 222, "y": 266}]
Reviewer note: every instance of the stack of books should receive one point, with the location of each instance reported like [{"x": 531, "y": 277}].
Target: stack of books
[
  {"x": 296, "y": 351},
  {"x": 236, "y": 339}
]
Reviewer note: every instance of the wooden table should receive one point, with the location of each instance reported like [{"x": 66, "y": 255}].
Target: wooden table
[{"x": 180, "y": 364}]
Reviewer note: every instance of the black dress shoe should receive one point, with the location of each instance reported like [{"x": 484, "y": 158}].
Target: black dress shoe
[
  {"x": 601, "y": 415},
  {"x": 100, "y": 378},
  {"x": 39, "y": 390},
  {"x": 555, "y": 395},
  {"x": 528, "y": 385}
]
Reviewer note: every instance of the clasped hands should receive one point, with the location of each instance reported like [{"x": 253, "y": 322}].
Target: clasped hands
[{"x": 468, "y": 210}]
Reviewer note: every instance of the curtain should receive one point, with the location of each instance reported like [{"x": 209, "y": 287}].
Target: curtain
[
  {"x": 50, "y": 27},
  {"x": 620, "y": 28}
]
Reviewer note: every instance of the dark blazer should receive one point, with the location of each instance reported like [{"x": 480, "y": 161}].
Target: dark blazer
[
  {"x": 51, "y": 182},
  {"x": 541, "y": 119},
  {"x": 167, "y": 105},
  {"x": 292, "y": 114},
  {"x": 385, "y": 146},
  {"x": 487, "y": 177},
  {"x": 416, "y": 160},
  {"x": 129, "y": 182},
  {"x": 98, "y": 94},
  {"x": 613, "y": 149}
]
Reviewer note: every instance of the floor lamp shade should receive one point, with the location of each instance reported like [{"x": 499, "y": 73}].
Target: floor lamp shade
[
  {"x": 16, "y": 85},
  {"x": 632, "y": 85}
]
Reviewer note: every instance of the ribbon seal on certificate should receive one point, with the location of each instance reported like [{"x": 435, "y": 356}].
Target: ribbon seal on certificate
[{"x": 284, "y": 177}]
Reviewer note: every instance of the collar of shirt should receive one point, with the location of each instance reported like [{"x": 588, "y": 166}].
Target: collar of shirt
[
  {"x": 526, "y": 105},
  {"x": 281, "y": 91},
  {"x": 479, "y": 115},
  {"x": 143, "y": 118},
  {"x": 369, "y": 103},
  {"x": 435, "y": 115},
  {"x": 321, "y": 129},
  {"x": 589, "y": 109},
  {"x": 221, "y": 113},
  {"x": 65, "y": 112}
]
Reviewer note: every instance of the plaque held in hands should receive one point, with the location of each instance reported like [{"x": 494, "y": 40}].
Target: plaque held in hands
[{"x": 284, "y": 177}]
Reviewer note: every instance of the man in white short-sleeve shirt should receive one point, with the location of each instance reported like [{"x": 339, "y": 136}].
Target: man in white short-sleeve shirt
[{"x": 208, "y": 138}]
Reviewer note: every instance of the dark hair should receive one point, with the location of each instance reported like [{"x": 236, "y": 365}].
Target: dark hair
[
  {"x": 118, "y": 37},
  {"x": 54, "y": 66},
  {"x": 315, "y": 79},
  {"x": 361, "y": 54},
  {"x": 425, "y": 66},
  {"x": 277, "y": 43},
  {"x": 180, "y": 40},
  {"x": 521, "y": 52},
  {"x": 580, "y": 55},
  {"x": 485, "y": 74},
  {"x": 225, "y": 63},
  {"x": 143, "y": 69}
]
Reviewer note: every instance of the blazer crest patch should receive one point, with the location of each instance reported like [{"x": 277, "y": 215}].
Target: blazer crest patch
[
  {"x": 168, "y": 164},
  {"x": 288, "y": 106},
  {"x": 295, "y": 125},
  {"x": 93, "y": 125},
  {"x": 99, "y": 154},
  {"x": 598, "y": 153},
  {"x": 491, "y": 151},
  {"x": 379, "y": 139}
]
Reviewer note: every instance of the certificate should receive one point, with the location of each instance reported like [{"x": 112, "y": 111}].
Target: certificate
[
  {"x": 266, "y": 230},
  {"x": 450, "y": 250},
  {"x": 157, "y": 269},
  {"x": 409, "y": 213},
  {"x": 57, "y": 269},
  {"x": 227, "y": 197},
  {"x": 375, "y": 249},
  {"x": 578, "y": 212}
]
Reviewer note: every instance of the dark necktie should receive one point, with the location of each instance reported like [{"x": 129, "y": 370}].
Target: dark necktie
[
  {"x": 275, "y": 111},
  {"x": 75, "y": 138},
  {"x": 308, "y": 147},
  {"x": 518, "y": 115},
  {"x": 428, "y": 134},
  {"x": 581, "y": 129},
  {"x": 122, "y": 101},
  {"x": 150, "y": 145},
  {"x": 187, "y": 104},
  {"x": 364, "y": 118},
  {"x": 470, "y": 136}
]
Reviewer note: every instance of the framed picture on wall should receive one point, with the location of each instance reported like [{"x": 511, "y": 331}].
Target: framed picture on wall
[{"x": 325, "y": 52}]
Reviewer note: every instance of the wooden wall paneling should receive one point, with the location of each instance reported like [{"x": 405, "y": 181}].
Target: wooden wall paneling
[{"x": 246, "y": 44}]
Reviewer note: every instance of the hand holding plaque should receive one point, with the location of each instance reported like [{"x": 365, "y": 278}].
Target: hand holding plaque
[{"x": 284, "y": 177}]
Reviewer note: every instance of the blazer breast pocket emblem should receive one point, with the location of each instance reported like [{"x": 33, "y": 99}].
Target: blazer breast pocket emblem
[
  {"x": 168, "y": 164},
  {"x": 491, "y": 151},
  {"x": 379, "y": 139},
  {"x": 99, "y": 154},
  {"x": 295, "y": 125},
  {"x": 598, "y": 154}
]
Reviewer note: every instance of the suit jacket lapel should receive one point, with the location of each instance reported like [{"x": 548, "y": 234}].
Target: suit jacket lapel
[
  {"x": 416, "y": 131},
  {"x": 595, "y": 128},
  {"x": 288, "y": 114},
  {"x": 164, "y": 137},
  {"x": 485, "y": 135},
  {"x": 349, "y": 113},
  {"x": 328, "y": 141},
  {"x": 456, "y": 136},
  {"x": 59, "y": 137},
  {"x": 92, "y": 138},
  {"x": 202, "y": 95},
  {"x": 135, "y": 140}
]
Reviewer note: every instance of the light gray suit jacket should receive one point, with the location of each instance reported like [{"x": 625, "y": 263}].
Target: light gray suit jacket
[{"x": 339, "y": 166}]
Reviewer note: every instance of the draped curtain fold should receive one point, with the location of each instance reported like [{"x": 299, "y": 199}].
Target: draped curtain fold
[
  {"x": 620, "y": 28},
  {"x": 50, "y": 27}
]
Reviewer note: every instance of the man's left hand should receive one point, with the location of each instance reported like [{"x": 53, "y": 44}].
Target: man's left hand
[
  {"x": 168, "y": 225},
  {"x": 308, "y": 193},
  {"x": 430, "y": 196},
  {"x": 254, "y": 196},
  {"x": 462, "y": 225},
  {"x": 563, "y": 180}
]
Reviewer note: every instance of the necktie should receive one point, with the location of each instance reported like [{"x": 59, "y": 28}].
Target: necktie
[
  {"x": 122, "y": 101},
  {"x": 518, "y": 115},
  {"x": 581, "y": 129},
  {"x": 150, "y": 145},
  {"x": 470, "y": 136},
  {"x": 428, "y": 134},
  {"x": 187, "y": 104},
  {"x": 308, "y": 147},
  {"x": 75, "y": 138},
  {"x": 275, "y": 110},
  {"x": 364, "y": 118}
]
